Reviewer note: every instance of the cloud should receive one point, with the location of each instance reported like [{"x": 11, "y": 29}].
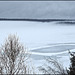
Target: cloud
[{"x": 37, "y": 9}]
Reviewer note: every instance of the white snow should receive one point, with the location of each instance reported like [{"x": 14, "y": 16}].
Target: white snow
[{"x": 38, "y": 35}]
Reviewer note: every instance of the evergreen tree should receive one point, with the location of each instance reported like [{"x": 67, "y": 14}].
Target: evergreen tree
[{"x": 72, "y": 67}]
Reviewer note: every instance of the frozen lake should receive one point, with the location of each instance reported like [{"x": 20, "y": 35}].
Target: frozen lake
[
  {"x": 42, "y": 38},
  {"x": 35, "y": 34}
]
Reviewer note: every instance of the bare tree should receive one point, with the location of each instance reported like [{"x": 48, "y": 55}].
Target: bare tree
[
  {"x": 53, "y": 67},
  {"x": 13, "y": 57}
]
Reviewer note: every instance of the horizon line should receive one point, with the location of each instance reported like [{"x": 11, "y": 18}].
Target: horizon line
[{"x": 41, "y": 20}]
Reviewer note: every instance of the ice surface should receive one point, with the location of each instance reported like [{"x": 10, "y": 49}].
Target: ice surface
[
  {"x": 35, "y": 34},
  {"x": 38, "y": 37}
]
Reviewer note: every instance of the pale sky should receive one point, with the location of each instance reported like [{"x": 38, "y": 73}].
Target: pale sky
[{"x": 37, "y": 9}]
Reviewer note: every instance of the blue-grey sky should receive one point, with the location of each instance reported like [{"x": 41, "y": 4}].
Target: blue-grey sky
[{"x": 37, "y": 9}]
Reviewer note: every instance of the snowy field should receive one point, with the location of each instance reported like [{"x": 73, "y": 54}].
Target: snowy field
[{"x": 42, "y": 39}]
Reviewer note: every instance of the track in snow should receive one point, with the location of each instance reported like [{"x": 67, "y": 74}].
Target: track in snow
[{"x": 36, "y": 52}]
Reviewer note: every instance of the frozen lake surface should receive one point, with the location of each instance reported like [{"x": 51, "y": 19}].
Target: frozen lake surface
[
  {"x": 42, "y": 38},
  {"x": 35, "y": 34}
]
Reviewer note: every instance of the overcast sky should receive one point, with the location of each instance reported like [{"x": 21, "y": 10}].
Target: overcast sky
[{"x": 37, "y": 9}]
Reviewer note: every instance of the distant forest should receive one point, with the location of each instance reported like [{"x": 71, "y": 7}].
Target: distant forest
[{"x": 38, "y": 20}]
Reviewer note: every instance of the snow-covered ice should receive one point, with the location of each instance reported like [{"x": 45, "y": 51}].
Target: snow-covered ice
[
  {"x": 42, "y": 38},
  {"x": 35, "y": 34}
]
